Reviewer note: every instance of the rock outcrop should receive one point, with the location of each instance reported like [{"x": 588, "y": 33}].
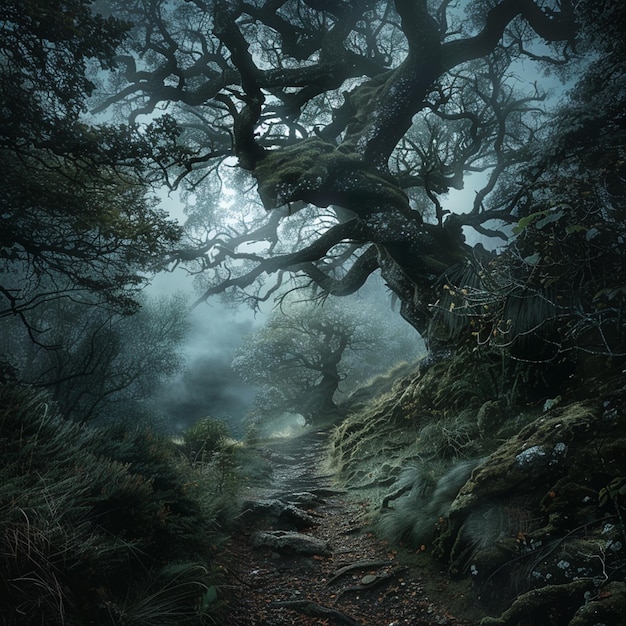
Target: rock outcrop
[{"x": 539, "y": 526}]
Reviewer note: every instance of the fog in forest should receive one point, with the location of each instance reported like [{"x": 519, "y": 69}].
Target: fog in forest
[
  {"x": 312, "y": 311},
  {"x": 208, "y": 386}
]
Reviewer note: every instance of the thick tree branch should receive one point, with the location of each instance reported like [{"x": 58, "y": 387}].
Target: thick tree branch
[
  {"x": 551, "y": 27},
  {"x": 384, "y": 113},
  {"x": 313, "y": 252},
  {"x": 246, "y": 120},
  {"x": 353, "y": 280}
]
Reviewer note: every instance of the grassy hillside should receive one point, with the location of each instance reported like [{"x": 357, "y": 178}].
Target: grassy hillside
[
  {"x": 101, "y": 526},
  {"x": 503, "y": 471}
]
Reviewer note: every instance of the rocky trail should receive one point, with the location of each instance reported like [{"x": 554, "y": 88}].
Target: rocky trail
[{"x": 303, "y": 556}]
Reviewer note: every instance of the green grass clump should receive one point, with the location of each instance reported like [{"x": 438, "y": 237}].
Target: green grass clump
[
  {"x": 427, "y": 494},
  {"x": 99, "y": 526},
  {"x": 207, "y": 435}
]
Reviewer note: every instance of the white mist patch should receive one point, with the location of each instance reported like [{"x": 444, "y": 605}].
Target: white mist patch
[{"x": 286, "y": 426}]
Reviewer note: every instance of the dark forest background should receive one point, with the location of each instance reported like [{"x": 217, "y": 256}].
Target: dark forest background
[{"x": 360, "y": 184}]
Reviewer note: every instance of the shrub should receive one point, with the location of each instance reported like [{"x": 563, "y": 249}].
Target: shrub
[
  {"x": 97, "y": 526},
  {"x": 206, "y": 436}
]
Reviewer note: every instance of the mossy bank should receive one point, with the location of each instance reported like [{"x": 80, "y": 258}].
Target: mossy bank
[{"x": 511, "y": 476}]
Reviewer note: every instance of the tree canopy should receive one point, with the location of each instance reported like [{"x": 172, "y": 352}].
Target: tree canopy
[
  {"x": 352, "y": 121},
  {"x": 77, "y": 218}
]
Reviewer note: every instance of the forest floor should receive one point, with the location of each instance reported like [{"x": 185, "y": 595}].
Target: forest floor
[{"x": 361, "y": 581}]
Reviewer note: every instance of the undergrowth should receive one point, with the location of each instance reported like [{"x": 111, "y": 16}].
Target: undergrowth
[
  {"x": 101, "y": 526},
  {"x": 405, "y": 450}
]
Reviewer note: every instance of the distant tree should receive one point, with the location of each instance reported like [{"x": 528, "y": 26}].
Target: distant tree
[
  {"x": 76, "y": 221},
  {"x": 99, "y": 364},
  {"x": 351, "y": 122},
  {"x": 299, "y": 358}
]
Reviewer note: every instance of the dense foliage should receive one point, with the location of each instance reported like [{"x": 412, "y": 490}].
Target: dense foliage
[
  {"x": 103, "y": 526},
  {"x": 205, "y": 437},
  {"x": 108, "y": 525},
  {"x": 77, "y": 220}
]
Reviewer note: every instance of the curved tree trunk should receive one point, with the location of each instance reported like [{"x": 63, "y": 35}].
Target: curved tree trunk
[{"x": 320, "y": 401}]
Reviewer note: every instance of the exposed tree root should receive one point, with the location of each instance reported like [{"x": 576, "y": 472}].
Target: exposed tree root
[
  {"x": 312, "y": 609},
  {"x": 536, "y": 603},
  {"x": 356, "y": 566},
  {"x": 379, "y": 580},
  {"x": 395, "y": 495}
]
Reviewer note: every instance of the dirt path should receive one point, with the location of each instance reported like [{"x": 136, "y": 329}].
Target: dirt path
[{"x": 357, "y": 581}]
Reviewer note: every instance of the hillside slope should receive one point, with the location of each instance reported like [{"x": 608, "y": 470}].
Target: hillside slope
[{"x": 503, "y": 472}]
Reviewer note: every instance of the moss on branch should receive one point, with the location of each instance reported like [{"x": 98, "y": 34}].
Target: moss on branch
[{"x": 316, "y": 171}]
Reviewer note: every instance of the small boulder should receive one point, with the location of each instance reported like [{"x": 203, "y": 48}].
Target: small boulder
[
  {"x": 293, "y": 516},
  {"x": 303, "y": 498},
  {"x": 288, "y": 541},
  {"x": 276, "y": 512}
]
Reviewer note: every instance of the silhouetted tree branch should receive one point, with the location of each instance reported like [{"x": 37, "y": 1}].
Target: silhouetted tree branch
[{"x": 360, "y": 112}]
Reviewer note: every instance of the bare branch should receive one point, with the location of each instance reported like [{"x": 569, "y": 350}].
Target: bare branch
[{"x": 347, "y": 230}]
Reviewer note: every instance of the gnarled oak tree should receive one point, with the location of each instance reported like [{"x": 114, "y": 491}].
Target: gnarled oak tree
[{"x": 353, "y": 119}]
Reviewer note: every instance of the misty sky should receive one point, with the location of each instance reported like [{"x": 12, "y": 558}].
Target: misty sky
[{"x": 209, "y": 386}]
